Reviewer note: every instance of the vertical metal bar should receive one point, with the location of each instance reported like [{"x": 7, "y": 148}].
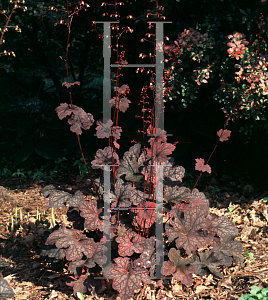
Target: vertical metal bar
[
  {"x": 159, "y": 69},
  {"x": 107, "y": 222},
  {"x": 159, "y": 221},
  {"x": 106, "y": 71}
]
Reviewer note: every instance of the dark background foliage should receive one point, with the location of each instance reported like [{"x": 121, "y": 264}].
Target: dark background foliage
[{"x": 31, "y": 84}]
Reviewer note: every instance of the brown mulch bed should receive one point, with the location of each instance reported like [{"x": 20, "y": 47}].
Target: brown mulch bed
[{"x": 30, "y": 276}]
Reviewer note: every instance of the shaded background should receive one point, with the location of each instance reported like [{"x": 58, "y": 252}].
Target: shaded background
[{"x": 34, "y": 142}]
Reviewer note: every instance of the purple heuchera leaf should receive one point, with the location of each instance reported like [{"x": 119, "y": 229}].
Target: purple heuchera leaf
[
  {"x": 97, "y": 256},
  {"x": 91, "y": 213},
  {"x": 82, "y": 120},
  {"x": 145, "y": 217},
  {"x": 76, "y": 199},
  {"x": 176, "y": 194},
  {"x": 171, "y": 174},
  {"x": 104, "y": 130},
  {"x": 47, "y": 190},
  {"x": 178, "y": 267},
  {"x": 148, "y": 255},
  {"x": 120, "y": 102},
  {"x": 127, "y": 276},
  {"x": 78, "y": 285},
  {"x": 159, "y": 151},
  {"x": 210, "y": 261},
  {"x": 121, "y": 194},
  {"x": 159, "y": 135},
  {"x": 121, "y": 89},
  {"x": 189, "y": 228},
  {"x": 63, "y": 111},
  {"x": 131, "y": 163},
  {"x": 76, "y": 242},
  {"x": 79, "y": 118},
  {"x": 138, "y": 196},
  {"x": 228, "y": 248},
  {"x": 105, "y": 156},
  {"x": 129, "y": 243},
  {"x": 59, "y": 198},
  {"x": 221, "y": 226}
]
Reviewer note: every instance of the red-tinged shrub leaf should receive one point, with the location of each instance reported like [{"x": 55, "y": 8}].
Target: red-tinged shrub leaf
[
  {"x": 5, "y": 290},
  {"x": 224, "y": 135},
  {"x": 105, "y": 156},
  {"x": 91, "y": 212},
  {"x": 129, "y": 243},
  {"x": 189, "y": 228},
  {"x": 120, "y": 102},
  {"x": 76, "y": 242},
  {"x": 104, "y": 130},
  {"x": 145, "y": 217},
  {"x": 179, "y": 267},
  {"x": 199, "y": 166},
  {"x": 63, "y": 111},
  {"x": 128, "y": 276},
  {"x": 160, "y": 151}
]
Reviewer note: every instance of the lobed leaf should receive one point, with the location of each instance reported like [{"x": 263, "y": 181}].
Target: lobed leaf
[
  {"x": 200, "y": 166},
  {"x": 90, "y": 212},
  {"x": 129, "y": 243},
  {"x": 178, "y": 267},
  {"x": 145, "y": 217},
  {"x": 189, "y": 228},
  {"x": 127, "y": 276},
  {"x": 131, "y": 164},
  {"x": 76, "y": 242}
]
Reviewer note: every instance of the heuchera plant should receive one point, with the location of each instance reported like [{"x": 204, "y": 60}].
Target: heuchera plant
[
  {"x": 195, "y": 241},
  {"x": 188, "y": 224}
]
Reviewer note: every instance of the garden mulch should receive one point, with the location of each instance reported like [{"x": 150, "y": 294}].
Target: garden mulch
[{"x": 30, "y": 277}]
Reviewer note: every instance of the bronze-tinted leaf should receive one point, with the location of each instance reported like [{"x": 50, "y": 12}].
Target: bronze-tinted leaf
[
  {"x": 128, "y": 276},
  {"x": 189, "y": 228},
  {"x": 178, "y": 267},
  {"x": 129, "y": 243},
  {"x": 76, "y": 242},
  {"x": 91, "y": 212}
]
